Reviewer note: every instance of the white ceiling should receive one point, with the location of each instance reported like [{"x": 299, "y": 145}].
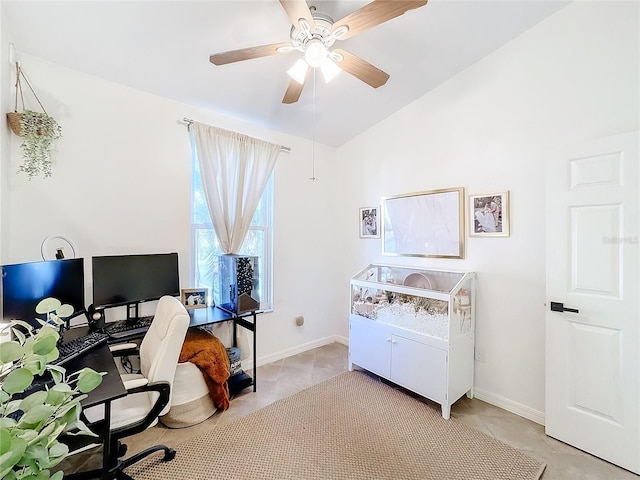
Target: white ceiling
[{"x": 163, "y": 47}]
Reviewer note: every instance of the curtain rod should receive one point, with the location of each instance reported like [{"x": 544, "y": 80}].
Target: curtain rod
[{"x": 282, "y": 149}]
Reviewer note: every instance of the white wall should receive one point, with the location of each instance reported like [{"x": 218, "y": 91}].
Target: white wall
[
  {"x": 5, "y": 105},
  {"x": 122, "y": 184},
  {"x": 572, "y": 77}
]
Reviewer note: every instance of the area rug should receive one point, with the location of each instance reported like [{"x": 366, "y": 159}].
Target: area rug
[{"x": 350, "y": 427}]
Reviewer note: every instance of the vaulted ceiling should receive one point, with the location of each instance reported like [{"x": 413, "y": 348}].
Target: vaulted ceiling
[{"x": 163, "y": 47}]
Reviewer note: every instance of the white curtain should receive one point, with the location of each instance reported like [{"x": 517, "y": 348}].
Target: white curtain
[{"x": 235, "y": 169}]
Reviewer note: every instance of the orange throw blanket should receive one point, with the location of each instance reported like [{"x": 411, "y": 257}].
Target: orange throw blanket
[{"x": 209, "y": 354}]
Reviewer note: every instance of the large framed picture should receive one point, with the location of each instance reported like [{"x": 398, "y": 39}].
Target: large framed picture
[
  {"x": 195, "y": 297},
  {"x": 424, "y": 224},
  {"x": 369, "y": 222},
  {"x": 489, "y": 215}
]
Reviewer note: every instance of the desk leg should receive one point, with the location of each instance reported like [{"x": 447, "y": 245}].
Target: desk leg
[
  {"x": 255, "y": 370},
  {"x": 235, "y": 333},
  {"x": 106, "y": 446},
  {"x": 251, "y": 326}
]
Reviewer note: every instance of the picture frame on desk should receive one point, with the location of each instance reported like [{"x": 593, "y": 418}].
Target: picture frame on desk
[{"x": 195, "y": 298}]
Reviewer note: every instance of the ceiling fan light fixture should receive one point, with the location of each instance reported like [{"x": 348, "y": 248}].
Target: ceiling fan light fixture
[
  {"x": 299, "y": 71},
  {"x": 315, "y": 52},
  {"x": 329, "y": 70}
]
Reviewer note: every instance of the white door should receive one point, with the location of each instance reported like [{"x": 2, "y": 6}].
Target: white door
[{"x": 593, "y": 266}]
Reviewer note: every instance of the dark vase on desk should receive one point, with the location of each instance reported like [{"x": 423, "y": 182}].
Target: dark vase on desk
[{"x": 238, "y": 283}]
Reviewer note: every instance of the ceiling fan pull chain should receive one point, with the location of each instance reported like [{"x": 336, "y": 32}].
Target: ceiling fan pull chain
[{"x": 313, "y": 132}]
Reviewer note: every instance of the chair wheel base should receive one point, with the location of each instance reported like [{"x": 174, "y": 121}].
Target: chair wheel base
[
  {"x": 122, "y": 450},
  {"x": 169, "y": 454}
]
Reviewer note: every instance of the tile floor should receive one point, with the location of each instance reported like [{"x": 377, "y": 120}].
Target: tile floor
[{"x": 288, "y": 376}]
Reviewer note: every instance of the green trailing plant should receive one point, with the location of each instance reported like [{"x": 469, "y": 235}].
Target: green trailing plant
[
  {"x": 39, "y": 131},
  {"x": 31, "y": 423}
]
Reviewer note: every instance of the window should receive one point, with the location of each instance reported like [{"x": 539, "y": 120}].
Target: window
[{"x": 205, "y": 245}]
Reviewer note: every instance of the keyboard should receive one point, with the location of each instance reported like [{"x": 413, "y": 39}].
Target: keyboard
[
  {"x": 128, "y": 328},
  {"x": 79, "y": 346}
]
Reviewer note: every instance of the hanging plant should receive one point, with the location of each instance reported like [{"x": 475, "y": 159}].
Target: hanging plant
[{"x": 39, "y": 131}]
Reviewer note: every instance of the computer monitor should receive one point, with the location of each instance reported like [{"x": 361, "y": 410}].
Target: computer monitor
[
  {"x": 132, "y": 279},
  {"x": 24, "y": 285}
]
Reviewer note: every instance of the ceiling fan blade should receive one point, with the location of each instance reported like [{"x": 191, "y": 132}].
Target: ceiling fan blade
[
  {"x": 374, "y": 13},
  {"x": 247, "y": 53},
  {"x": 361, "y": 69},
  {"x": 297, "y": 9},
  {"x": 292, "y": 95}
]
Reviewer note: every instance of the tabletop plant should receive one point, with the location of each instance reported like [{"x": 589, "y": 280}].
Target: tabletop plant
[{"x": 31, "y": 422}]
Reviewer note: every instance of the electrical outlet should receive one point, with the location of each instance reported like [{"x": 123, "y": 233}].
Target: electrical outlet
[{"x": 479, "y": 355}]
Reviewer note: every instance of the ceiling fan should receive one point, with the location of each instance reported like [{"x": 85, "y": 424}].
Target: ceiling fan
[{"x": 314, "y": 34}]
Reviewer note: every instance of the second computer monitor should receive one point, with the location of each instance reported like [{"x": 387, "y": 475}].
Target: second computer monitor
[
  {"x": 131, "y": 279},
  {"x": 24, "y": 285}
]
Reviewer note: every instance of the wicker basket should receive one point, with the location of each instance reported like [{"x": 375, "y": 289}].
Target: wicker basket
[{"x": 15, "y": 121}]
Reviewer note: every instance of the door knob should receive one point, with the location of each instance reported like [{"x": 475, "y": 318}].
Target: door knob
[{"x": 559, "y": 307}]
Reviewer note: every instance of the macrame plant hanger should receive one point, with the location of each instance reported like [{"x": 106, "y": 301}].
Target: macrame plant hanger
[
  {"x": 38, "y": 130},
  {"x": 15, "y": 117}
]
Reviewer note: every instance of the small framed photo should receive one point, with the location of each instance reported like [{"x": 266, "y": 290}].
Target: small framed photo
[
  {"x": 195, "y": 297},
  {"x": 489, "y": 215},
  {"x": 369, "y": 222}
]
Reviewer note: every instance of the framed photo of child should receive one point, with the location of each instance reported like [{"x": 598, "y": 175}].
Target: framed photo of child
[
  {"x": 489, "y": 215},
  {"x": 369, "y": 222}
]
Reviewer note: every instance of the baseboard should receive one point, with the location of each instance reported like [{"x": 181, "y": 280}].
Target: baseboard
[
  {"x": 274, "y": 357},
  {"x": 509, "y": 405}
]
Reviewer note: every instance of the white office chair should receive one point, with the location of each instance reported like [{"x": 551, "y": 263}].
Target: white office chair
[{"x": 149, "y": 393}]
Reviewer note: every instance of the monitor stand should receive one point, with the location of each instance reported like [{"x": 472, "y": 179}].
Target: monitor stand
[
  {"x": 133, "y": 325},
  {"x": 132, "y": 312}
]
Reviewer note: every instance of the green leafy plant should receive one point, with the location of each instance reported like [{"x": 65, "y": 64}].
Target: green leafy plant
[
  {"x": 30, "y": 424},
  {"x": 39, "y": 131}
]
